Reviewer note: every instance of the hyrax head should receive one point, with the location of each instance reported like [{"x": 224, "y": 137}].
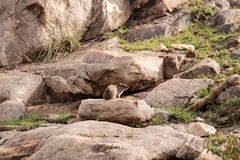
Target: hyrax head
[{"x": 122, "y": 86}]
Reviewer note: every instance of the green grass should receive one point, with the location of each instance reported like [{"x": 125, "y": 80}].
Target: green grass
[
  {"x": 227, "y": 113},
  {"x": 61, "y": 118},
  {"x": 31, "y": 120},
  {"x": 25, "y": 121},
  {"x": 203, "y": 92},
  {"x": 227, "y": 147},
  {"x": 179, "y": 114}
]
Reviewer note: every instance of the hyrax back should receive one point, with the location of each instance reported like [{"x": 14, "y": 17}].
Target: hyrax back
[{"x": 114, "y": 91}]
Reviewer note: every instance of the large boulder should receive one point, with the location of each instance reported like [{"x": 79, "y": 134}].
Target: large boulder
[
  {"x": 28, "y": 27},
  {"x": 115, "y": 110},
  {"x": 165, "y": 26},
  {"x": 230, "y": 93},
  {"x": 16, "y": 84},
  {"x": 87, "y": 73},
  {"x": 176, "y": 92},
  {"x": 95, "y": 140}
]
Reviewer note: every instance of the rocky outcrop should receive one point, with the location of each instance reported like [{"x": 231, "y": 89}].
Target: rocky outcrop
[
  {"x": 165, "y": 26},
  {"x": 128, "y": 112},
  {"x": 28, "y": 27},
  {"x": 176, "y": 92},
  {"x": 95, "y": 140},
  {"x": 87, "y": 73},
  {"x": 206, "y": 66}
]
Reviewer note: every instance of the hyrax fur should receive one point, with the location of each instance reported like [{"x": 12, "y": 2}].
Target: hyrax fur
[{"x": 114, "y": 91}]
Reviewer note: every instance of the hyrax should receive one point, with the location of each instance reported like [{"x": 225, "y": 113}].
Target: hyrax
[{"x": 114, "y": 91}]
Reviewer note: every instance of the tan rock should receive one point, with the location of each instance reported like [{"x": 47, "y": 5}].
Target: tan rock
[
  {"x": 200, "y": 129},
  {"x": 208, "y": 155},
  {"x": 160, "y": 47},
  {"x": 115, "y": 110},
  {"x": 183, "y": 47}
]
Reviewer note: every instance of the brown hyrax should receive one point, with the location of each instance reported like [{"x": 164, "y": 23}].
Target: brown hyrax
[{"x": 114, "y": 91}]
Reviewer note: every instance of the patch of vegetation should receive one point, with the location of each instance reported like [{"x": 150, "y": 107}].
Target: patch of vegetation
[
  {"x": 29, "y": 120},
  {"x": 61, "y": 118},
  {"x": 66, "y": 43},
  {"x": 203, "y": 92},
  {"x": 179, "y": 114},
  {"x": 227, "y": 113},
  {"x": 227, "y": 147}
]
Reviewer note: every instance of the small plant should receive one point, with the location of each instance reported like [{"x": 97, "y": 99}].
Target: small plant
[
  {"x": 179, "y": 114},
  {"x": 61, "y": 118},
  {"x": 24, "y": 121},
  {"x": 227, "y": 147},
  {"x": 203, "y": 92}
]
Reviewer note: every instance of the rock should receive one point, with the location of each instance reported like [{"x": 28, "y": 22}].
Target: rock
[
  {"x": 87, "y": 73},
  {"x": 228, "y": 28},
  {"x": 235, "y": 3},
  {"x": 198, "y": 119},
  {"x": 217, "y": 5},
  {"x": 5, "y": 135},
  {"x": 12, "y": 109},
  {"x": 95, "y": 140},
  {"x": 206, "y": 66},
  {"x": 145, "y": 11},
  {"x": 172, "y": 65},
  {"x": 28, "y": 27},
  {"x": 25, "y": 86},
  {"x": 227, "y": 16},
  {"x": 192, "y": 147},
  {"x": 231, "y": 41},
  {"x": 235, "y": 54},
  {"x": 118, "y": 110},
  {"x": 183, "y": 47},
  {"x": 160, "y": 48},
  {"x": 208, "y": 155},
  {"x": 201, "y": 129},
  {"x": 165, "y": 26},
  {"x": 162, "y": 115},
  {"x": 230, "y": 93},
  {"x": 176, "y": 92}
]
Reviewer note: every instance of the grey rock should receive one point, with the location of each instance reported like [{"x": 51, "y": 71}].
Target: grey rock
[
  {"x": 118, "y": 110},
  {"x": 165, "y": 26},
  {"x": 217, "y": 5},
  {"x": 176, "y": 92},
  {"x": 230, "y": 93},
  {"x": 162, "y": 115},
  {"x": 192, "y": 148},
  {"x": 25, "y": 86},
  {"x": 228, "y": 28},
  {"x": 95, "y": 140},
  {"x": 235, "y": 54},
  {"x": 235, "y": 3},
  {"x": 226, "y": 17},
  {"x": 206, "y": 66},
  {"x": 231, "y": 41},
  {"x": 12, "y": 109}
]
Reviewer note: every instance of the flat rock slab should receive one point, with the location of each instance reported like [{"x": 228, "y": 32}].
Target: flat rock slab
[
  {"x": 16, "y": 84},
  {"x": 95, "y": 140},
  {"x": 118, "y": 110},
  {"x": 176, "y": 92}
]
